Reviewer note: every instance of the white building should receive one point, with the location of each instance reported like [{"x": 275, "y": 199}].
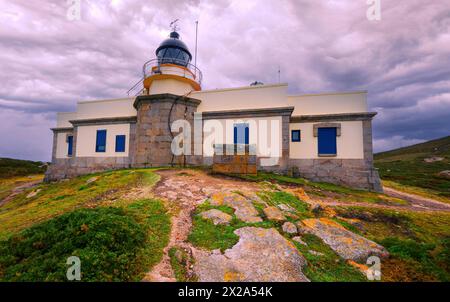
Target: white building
[{"x": 322, "y": 137}]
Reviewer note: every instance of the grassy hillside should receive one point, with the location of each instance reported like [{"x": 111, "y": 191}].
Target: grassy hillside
[
  {"x": 407, "y": 166},
  {"x": 15, "y": 167}
]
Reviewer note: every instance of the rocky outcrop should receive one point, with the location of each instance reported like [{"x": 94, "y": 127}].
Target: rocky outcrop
[
  {"x": 243, "y": 208},
  {"x": 289, "y": 228},
  {"x": 273, "y": 213},
  {"x": 261, "y": 255},
  {"x": 216, "y": 216},
  {"x": 346, "y": 244}
]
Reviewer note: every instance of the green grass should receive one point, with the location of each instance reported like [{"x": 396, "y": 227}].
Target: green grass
[
  {"x": 57, "y": 198},
  {"x": 328, "y": 267},
  {"x": 406, "y": 166},
  {"x": 281, "y": 197},
  {"x": 109, "y": 242}
]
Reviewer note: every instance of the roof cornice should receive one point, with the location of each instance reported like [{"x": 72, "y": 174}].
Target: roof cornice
[
  {"x": 165, "y": 97},
  {"x": 260, "y": 112},
  {"x": 103, "y": 121},
  {"x": 357, "y": 116}
]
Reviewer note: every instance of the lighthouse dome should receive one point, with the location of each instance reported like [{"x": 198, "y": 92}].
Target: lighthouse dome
[{"x": 173, "y": 51}]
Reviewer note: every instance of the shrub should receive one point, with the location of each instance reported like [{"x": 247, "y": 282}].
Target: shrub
[{"x": 105, "y": 239}]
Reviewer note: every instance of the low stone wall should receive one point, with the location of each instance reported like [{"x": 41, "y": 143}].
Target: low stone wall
[
  {"x": 71, "y": 167},
  {"x": 355, "y": 173}
]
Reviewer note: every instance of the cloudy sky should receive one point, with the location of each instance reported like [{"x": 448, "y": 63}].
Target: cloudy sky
[{"x": 49, "y": 62}]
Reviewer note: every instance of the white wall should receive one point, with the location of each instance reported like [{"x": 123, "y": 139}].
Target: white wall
[
  {"x": 312, "y": 104},
  {"x": 106, "y": 108},
  {"x": 63, "y": 118},
  {"x": 170, "y": 86},
  {"x": 250, "y": 97},
  {"x": 61, "y": 145},
  {"x": 256, "y": 132},
  {"x": 87, "y": 135},
  {"x": 349, "y": 144}
]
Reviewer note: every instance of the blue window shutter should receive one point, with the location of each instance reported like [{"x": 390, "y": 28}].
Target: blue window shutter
[
  {"x": 247, "y": 135},
  {"x": 120, "y": 143},
  {"x": 100, "y": 144},
  {"x": 70, "y": 145},
  {"x": 241, "y": 134},
  {"x": 327, "y": 141}
]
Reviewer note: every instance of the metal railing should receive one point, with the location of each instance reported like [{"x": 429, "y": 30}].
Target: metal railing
[
  {"x": 153, "y": 67},
  {"x": 137, "y": 89}
]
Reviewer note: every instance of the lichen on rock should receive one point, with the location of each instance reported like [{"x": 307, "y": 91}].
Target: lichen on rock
[
  {"x": 345, "y": 243},
  {"x": 216, "y": 216},
  {"x": 260, "y": 255}
]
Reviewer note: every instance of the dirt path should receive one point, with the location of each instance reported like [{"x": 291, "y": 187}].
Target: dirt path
[
  {"x": 184, "y": 190},
  {"x": 415, "y": 203},
  {"x": 19, "y": 189},
  {"x": 418, "y": 202}
]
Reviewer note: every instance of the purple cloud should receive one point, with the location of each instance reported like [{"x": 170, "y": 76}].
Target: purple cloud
[{"x": 49, "y": 63}]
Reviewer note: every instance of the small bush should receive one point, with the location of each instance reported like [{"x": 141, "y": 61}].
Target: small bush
[
  {"x": 407, "y": 249},
  {"x": 105, "y": 239}
]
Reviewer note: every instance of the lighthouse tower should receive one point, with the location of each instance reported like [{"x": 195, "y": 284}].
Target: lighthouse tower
[
  {"x": 163, "y": 97},
  {"x": 171, "y": 71}
]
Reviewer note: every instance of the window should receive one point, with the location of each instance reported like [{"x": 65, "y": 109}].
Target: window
[
  {"x": 100, "y": 144},
  {"x": 69, "y": 145},
  {"x": 241, "y": 134},
  {"x": 295, "y": 136},
  {"x": 120, "y": 143},
  {"x": 327, "y": 141}
]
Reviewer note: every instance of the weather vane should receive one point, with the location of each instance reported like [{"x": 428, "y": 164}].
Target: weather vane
[{"x": 174, "y": 25}]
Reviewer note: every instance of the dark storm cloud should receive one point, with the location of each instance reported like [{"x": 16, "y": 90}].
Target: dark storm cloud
[{"x": 49, "y": 63}]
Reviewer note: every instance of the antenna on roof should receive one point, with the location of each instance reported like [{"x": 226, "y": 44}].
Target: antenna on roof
[
  {"x": 196, "y": 39},
  {"x": 173, "y": 25},
  {"x": 279, "y": 74}
]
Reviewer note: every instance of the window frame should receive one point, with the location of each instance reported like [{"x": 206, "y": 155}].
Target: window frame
[
  {"x": 124, "y": 137},
  {"x": 97, "y": 142},
  {"x": 299, "y": 136}
]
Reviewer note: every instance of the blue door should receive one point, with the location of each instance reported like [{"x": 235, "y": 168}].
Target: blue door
[
  {"x": 327, "y": 141},
  {"x": 241, "y": 134}
]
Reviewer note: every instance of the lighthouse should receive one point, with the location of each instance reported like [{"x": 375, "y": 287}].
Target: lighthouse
[
  {"x": 170, "y": 71},
  {"x": 323, "y": 137}
]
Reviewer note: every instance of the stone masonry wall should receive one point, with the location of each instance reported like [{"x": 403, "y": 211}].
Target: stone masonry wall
[
  {"x": 153, "y": 136},
  {"x": 71, "y": 167}
]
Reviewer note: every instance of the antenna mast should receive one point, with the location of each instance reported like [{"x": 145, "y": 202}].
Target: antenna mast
[
  {"x": 196, "y": 39},
  {"x": 279, "y": 74}
]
